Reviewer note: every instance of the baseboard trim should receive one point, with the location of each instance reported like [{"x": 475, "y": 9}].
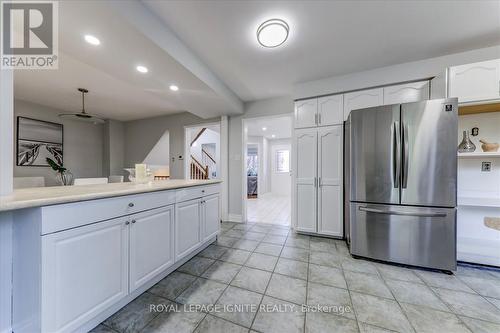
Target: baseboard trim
[
  {"x": 7, "y": 330},
  {"x": 234, "y": 218}
]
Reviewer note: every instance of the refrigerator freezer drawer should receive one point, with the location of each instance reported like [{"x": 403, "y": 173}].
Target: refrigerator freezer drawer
[{"x": 417, "y": 236}]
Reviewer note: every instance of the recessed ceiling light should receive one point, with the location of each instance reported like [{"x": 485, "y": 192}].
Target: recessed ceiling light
[
  {"x": 273, "y": 136},
  {"x": 142, "y": 69},
  {"x": 173, "y": 87},
  {"x": 264, "y": 128},
  {"x": 272, "y": 33},
  {"x": 92, "y": 40}
]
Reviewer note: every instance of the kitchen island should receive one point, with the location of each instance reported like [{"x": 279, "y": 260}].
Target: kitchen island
[{"x": 80, "y": 253}]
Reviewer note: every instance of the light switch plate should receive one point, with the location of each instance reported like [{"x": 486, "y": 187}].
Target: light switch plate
[{"x": 486, "y": 166}]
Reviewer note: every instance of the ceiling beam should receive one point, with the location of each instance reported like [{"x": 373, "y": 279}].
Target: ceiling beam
[{"x": 158, "y": 32}]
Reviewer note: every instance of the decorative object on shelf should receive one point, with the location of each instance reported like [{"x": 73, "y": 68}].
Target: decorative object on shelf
[
  {"x": 37, "y": 139},
  {"x": 475, "y": 131},
  {"x": 132, "y": 176},
  {"x": 63, "y": 175},
  {"x": 466, "y": 146},
  {"x": 489, "y": 147},
  {"x": 83, "y": 115}
]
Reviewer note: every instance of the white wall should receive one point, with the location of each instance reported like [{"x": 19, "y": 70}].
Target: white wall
[
  {"x": 280, "y": 181},
  {"x": 266, "y": 107},
  {"x": 392, "y": 74},
  {"x": 83, "y": 144},
  {"x": 142, "y": 135},
  {"x": 114, "y": 148}
]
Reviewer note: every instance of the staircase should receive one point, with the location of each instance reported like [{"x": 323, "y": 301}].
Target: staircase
[{"x": 198, "y": 171}]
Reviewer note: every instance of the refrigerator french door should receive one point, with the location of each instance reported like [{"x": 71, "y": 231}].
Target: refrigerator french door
[{"x": 402, "y": 183}]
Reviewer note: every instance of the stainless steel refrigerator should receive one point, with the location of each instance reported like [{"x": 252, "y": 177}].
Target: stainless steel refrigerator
[{"x": 400, "y": 183}]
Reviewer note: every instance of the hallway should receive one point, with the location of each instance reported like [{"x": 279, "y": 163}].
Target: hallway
[{"x": 269, "y": 208}]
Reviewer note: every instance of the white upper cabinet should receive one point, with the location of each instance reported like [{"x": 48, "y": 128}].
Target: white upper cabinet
[
  {"x": 479, "y": 81},
  {"x": 306, "y": 113},
  {"x": 362, "y": 99},
  {"x": 151, "y": 244},
  {"x": 406, "y": 93},
  {"x": 330, "y": 110}
]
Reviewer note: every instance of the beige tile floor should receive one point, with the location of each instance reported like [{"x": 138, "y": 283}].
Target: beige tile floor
[
  {"x": 273, "y": 269},
  {"x": 269, "y": 208}
]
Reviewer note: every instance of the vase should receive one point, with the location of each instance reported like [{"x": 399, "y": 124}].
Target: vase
[
  {"x": 65, "y": 178},
  {"x": 466, "y": 146}
]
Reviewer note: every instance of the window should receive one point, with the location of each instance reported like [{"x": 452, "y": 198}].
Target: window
[{"x": 282, "y": 161}]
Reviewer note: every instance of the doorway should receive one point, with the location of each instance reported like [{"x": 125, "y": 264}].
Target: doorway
[
  {"x": 202, "y": 151},
  {"x": 266, "y": 173}
]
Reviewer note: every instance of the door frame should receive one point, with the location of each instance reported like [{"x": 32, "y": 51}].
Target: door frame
[{"x": 243, "y": 177}]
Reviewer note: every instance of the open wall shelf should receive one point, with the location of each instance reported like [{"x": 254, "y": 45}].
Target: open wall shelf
[{"x": 479, "y": 154}]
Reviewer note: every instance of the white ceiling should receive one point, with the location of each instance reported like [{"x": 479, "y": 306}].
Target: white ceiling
[
  {"x": 281, "y": 127},
  {"x": 117, "y": 90},
  {"x": 327, "y": 38}
]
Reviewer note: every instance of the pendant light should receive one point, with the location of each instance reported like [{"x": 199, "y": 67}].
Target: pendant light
[{"x": 82, "y": 116}]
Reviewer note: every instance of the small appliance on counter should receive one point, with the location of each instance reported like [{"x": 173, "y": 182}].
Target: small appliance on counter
[{"x": 401, "y": 183}]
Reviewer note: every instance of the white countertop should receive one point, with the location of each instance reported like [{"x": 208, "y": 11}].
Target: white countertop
[{"x": 45, "y": 196}]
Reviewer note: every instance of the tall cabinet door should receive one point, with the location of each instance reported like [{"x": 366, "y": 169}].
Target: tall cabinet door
[
  {"x": 362, "y": 99},
  {"x": 187, "y": 227},
  {"x": 306, "y": 113},
  {"x": 475, "y": 82},
  {"x": 306, "y": 179},
  {"x": 211, "y": 216},
  {"x": 151, "y": 244},
  {"x": 330, "y": 181},
  {"x": 331, "y": 110},
  {"x": 84, "y": 271}
]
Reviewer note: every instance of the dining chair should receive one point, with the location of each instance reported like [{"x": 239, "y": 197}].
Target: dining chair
[
  {"x": 115, "y": 179},
  {"x": 27, "y": 182},
  {"x": 90, "y": 181}
]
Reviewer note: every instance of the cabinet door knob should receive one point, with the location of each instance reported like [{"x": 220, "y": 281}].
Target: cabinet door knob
[
  {"x": 202, "y": 191},
  {"x": 131, "y": 204},
  {"x": 127, "y": 223},
  {"x": 133, "y": 221}
]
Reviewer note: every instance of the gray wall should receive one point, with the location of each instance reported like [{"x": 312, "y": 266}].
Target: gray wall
[
  {"x": 114, "y": 148},
  {"x": 266, "y": 107},
  {"x": 142, "y": 135},
  {"x": 83, "y": 144}
]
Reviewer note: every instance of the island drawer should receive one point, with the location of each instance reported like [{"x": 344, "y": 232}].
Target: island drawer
[
  {"x": 66, "y": 216},
  {"x": 185, "y": 194}
]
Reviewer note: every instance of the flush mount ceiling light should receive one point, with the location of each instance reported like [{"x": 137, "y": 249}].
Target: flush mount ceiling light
[
  {"x": 173, "y": 87},
  {"x": 92, "y": 40},
  {"x": 273, "y": 136},
  {"x": 272, "y": 33},
  {"x": 142, "y": 69}
]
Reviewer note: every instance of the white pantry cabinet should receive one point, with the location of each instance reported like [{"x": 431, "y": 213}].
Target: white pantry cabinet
[
  {"x": 330, "y": 174},
  {"x": 475, "y": 82},
  {"x": 151, "y": 244},
  {"x": 84, "y": 271},
  {"x": 305, "y": 179},
  {"x": 362, "y": 99},
  {"x": 322, "y": 111},
  {"x": 318, "y": 180},
  {"x": 407, "y": 92}
]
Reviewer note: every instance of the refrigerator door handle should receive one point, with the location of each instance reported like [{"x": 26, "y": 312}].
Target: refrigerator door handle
[
  {"x": 406, "y": 156},
  {"x": 392, "y": 212},
  {"x": 396, "y": 152}
]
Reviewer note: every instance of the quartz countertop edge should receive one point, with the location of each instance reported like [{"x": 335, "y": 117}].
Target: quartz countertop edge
[{"x": 54, "y": 195}]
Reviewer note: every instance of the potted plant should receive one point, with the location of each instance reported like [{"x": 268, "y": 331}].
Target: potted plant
[{"x": 63, "y": 174}]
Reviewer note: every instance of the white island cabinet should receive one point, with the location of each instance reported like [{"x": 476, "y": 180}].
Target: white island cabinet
[{"x": 75, "y": 264}]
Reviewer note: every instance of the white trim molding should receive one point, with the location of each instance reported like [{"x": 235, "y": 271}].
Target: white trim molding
[{"x": 234, "y": 218}]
